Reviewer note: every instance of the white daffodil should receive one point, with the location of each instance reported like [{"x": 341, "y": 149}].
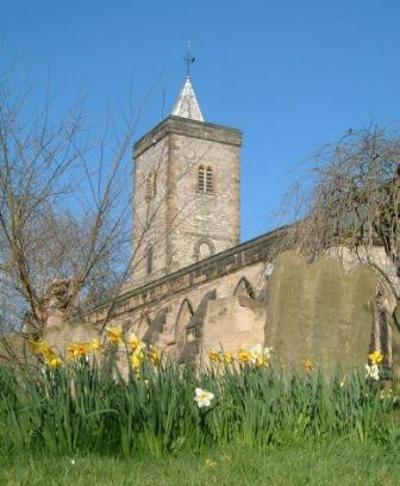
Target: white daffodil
[
  {"x": 203, "y": 398},
  {"x": 260, "y": 356},
  {"x": 372, "y": 372},
  {"x": 257, "y": 349},
  {"x": 267, "y": 353}
]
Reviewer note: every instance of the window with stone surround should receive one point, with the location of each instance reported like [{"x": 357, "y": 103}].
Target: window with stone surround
[
  {"x": 149, "y": 260},
  {"x": 205, "y": 182},
  {"x": 185, "y": 315},
  {"x": 151, "y": 186},
  {"x": 203, "y": 249}
]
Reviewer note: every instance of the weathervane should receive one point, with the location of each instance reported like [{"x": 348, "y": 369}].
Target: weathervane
[{"x": 189, "y": 59}]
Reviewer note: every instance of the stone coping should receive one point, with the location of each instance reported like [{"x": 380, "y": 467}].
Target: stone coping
[
  {"x": 215, "y": 266},
  {"x": 190, "y": 128}
]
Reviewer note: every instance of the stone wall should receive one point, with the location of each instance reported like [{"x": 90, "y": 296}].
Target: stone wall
[{"x": 150, "y": 213}]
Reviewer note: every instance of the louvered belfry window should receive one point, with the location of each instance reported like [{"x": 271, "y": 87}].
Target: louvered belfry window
[
  {"x": 205, "y": 180},
  {"x": 200, "y": 179},
  {"x": 209, "y": 180}
]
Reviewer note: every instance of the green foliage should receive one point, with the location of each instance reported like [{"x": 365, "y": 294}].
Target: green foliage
[
  {"x": 315, "y": 464},
  {"x": 84, "y": 407}
]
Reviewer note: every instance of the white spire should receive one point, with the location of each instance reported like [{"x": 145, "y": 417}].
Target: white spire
[{"x": 187, "y": 105}]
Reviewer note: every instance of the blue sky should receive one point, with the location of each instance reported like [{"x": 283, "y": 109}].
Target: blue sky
[{"x": 290, "y": 74}]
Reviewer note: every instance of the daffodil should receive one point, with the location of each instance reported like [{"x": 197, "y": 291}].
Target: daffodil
[
  {"x": 41, "y": 347},
  {"x": 210, "y": 463},
  {"x": 308, "y": 365},
  {"x": 245, "y": 356},
  {"x": 114, "y": 334},
  {"x": 372, "y": 371},
  {"x": 386, "y": 393},
  {"x": 137, "y": 359},
  {"x": 215, "y": 356},
  {"x": 267, "y": 352},
  {"x": 260, "y": 356},
  {"x": 54, "y": 362},
  {"x": 134, "y": 343},
  {"x": 262, "y": 361},
  {"x": 376, "y": 357},
  {"x": 77, "y": 350},
  {"x": 228, "y": 358},
  {"x": 257, "y": 349},
  {"x": 203, "y": 398},
  {"x": 155, "y": 355},
  {"x": 95, "y": 345}
]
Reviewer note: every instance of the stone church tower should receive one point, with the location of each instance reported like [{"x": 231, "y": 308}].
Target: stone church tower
[{"x": 187, "y": 191}]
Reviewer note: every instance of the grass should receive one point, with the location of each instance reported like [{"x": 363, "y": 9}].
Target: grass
[
  {"x": 82, "y": 409},
  {"x": 328, "y": 463},
  {"x": 81, "y": 422}
]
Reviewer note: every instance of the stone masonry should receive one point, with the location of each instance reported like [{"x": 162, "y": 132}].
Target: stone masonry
[{"x": 177, "y": 218}]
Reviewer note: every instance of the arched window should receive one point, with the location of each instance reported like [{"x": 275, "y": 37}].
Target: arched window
[
  {"x": 149, "y": 260},
  {"x": 185, "y": 314},
  {"x": 244, "y": 289},
  {"x": 205, "y": 182},
  {"x": 151, "y": 186},
  {"x": 203, "y": 249}
]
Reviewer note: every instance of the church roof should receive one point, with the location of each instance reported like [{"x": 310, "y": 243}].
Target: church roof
[{"x": 187, "y": 105}]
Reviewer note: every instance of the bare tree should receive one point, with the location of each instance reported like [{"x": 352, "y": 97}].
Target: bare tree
[
  {"x": 62, "y": 210},
  {"x": 66, "y": 211},
  {"x": 350, "y": 197}
]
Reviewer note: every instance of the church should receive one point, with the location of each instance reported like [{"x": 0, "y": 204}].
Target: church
[
  {"x": 188, "y": 267},
  {"x": 194, "y": 287}
]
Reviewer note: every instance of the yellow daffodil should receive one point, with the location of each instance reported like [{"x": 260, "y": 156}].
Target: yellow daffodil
[
  {"x": 94, "y": 346},
  {"x": 114, "y": 334},
  {"x": 41, "y": 347},
  {"x": 376, "y": 357},
  {"x": 215, "y": 356},
  {"x": 245, "y": 356},
  {"x": 228, "y": 358},
  {"x": 134, "y": 343},
  {"x": 54, "y": 362},
  {"x": 137, "y": 359},
  {"x": 34, "y": 345},
  {"x": 308, "y": 365},
  {"x": 210, "y": 463},
  {"x": 78, "y": 350},
  {"x": 262, "y": 361},
  {"x": 260, "y": 356},
  {"x": 155, "y": 355}
]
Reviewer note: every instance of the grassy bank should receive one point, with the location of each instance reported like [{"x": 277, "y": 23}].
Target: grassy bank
[{"x": 330, "y": 463}]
